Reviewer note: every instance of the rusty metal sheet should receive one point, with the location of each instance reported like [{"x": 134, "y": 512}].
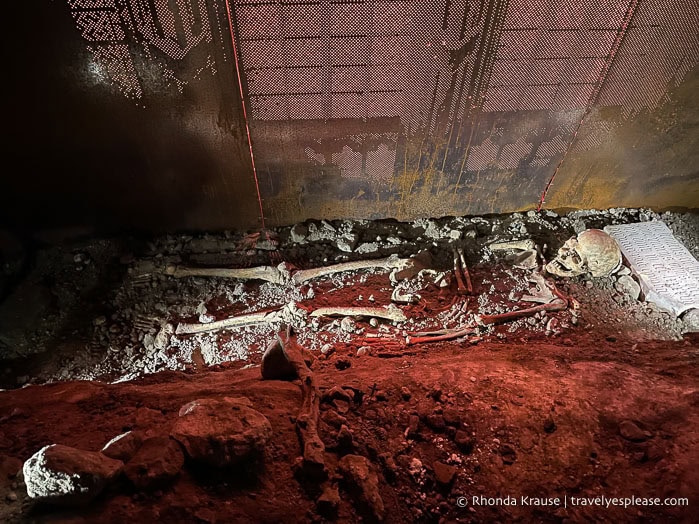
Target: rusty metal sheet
[
  {"x": 429, "y": 108},
  {"x": 367, "y": 108}
]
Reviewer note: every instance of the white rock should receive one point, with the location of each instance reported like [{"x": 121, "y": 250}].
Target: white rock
[
  {"x": 347, "y": 243},
  {"x": 628, "y": 286},
  {"x": 206, "y": 318},
  {"x": 298, "y": 233},
  {"x": 368, "y": 247},
  {"x": 348, "y": 325},
  {"x": 65, "y": 475},
  {"x": 162, "y": 339},
  {"x": 623, "y": 270}
]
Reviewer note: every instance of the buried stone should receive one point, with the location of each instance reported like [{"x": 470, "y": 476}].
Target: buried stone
[
  {"x": 362, "y": 481},
  {"x": 123, "y": 447},
  {"x": 157, "y": 462},
  {"x": 223, "y": 432},
  {"x": 276, "y": 365}
]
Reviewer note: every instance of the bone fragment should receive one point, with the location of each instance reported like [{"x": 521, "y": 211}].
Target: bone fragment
[
  {"x": 276, "y": 275},
  {"x": 522, "y": 245},
  {"x": 242, "y": 320},
  {"x": 523, "y": 259},
  {"x": 389, "y": 313},
  {"x": 403, "y": 298},
  {"x": 381, "y": 263},
  {"x": 543, "y": 293},
  {"x": 527, "y": 250}
]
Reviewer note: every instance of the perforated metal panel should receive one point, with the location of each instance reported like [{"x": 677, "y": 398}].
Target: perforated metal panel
[{"x": 407, "y": 108}]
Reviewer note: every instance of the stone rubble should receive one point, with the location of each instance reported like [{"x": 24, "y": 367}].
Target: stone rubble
[
  {"x": 363, "y": 482},
  {"x": 67, "y": 476}
]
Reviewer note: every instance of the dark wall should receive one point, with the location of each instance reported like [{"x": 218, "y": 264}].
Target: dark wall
[{"x": 163, "y": 155}]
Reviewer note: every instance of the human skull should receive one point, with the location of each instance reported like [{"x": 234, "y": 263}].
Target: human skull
[{"x": 592, "y": 251}]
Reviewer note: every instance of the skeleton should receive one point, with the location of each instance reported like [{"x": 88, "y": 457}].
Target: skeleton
[{"x": 592, "y": 251}]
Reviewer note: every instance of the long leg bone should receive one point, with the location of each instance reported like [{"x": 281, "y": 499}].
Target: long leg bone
[
  {"x": 389, "y": 313},
  {"x": 276, "y": 275},
  {"x": 286, "y": 314},
  {"x": 242, "y": 320},
  {"x": 381, "y": 263}
]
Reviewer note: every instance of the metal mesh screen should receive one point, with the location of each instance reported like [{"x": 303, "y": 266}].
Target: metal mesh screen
[{"x": 407, "y": 107}]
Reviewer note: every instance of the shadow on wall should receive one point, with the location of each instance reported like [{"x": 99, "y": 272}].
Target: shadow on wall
[{"x": 86, "y": 155}]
